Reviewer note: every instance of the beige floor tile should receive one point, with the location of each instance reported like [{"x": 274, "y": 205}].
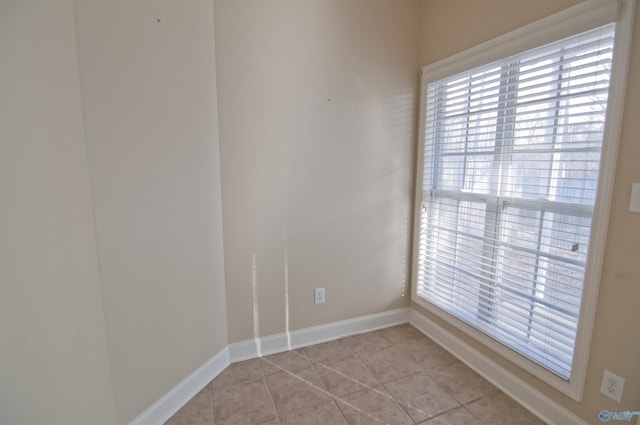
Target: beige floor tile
[
  {"x": 238, "y": 373},
  {"x": 389, "y": 363},
  {"x": 346, "y": 376},
  {"x": 329, "y": 351},
  {"x": 462, "y": 383},
  {"x": 273, "y": 421},
  {"x": 499, "y": 409},
  {"x": 372, "y": 407},
  {"x": 421, "y": 396},
  {"x": 393, "y": 376},
  {"x": 243, "y": 404},
  {"x": 297, "y": 390},
  {"x": 198, "y": 411},
  {"x": 460, "y": 416},
  {"x": 368, "y": 342},
  {"x": 401, "y": 333},
  {"x": 289, "y": 360},
  {"x": 324, "y": 414},
  {"x": 426, "y": 353}
]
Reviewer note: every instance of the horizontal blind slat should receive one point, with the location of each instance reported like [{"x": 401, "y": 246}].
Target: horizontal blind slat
[{"x": 512, "y": 154}]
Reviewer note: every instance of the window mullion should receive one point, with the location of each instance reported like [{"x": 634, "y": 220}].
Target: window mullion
[
  {"x": 466, "y": 135},
  {"x": 502, "y": 149},
  {"x": 552, "y": 175},
  {"x": 535, "y": 287},
  {"x": 553, "y": 169},
  {"x": 509, "y": 184}
]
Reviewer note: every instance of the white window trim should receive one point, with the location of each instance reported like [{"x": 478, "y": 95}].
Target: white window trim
[{"x": 582, "y": 17}]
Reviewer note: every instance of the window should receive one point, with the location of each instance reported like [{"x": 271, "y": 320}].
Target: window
[{"x": 511, "y": 162}]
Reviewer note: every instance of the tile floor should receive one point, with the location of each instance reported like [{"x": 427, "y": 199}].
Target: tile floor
[{"x": 393, "y": 376}]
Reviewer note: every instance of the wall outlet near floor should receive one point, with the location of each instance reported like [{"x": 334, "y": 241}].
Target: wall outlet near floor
[
  {"x": 634, "y": 202},
  {"x": 612, "y": 385},
  {"x": 318, "y": 295}
]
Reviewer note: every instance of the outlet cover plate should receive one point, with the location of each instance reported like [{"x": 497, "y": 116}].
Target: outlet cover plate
[
  {"x": 634, "y": 202},
  {"x": 612, "y": 385},
  {"x": 318, "y": 294}
]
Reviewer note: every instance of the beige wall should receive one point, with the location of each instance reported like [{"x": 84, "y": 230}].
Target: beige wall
[
  {"x": 317, "y": 102},
  {"x": 53, "y": 351},
  {"x": 451, "y": 26},
  {"x": 615, "y": 344},
  {"x": 149, "y": 96}
]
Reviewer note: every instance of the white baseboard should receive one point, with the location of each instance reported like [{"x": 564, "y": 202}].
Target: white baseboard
[
  {"x": 278, "y": 343},
  {"x": 179, "y": 395},
  {"x": 536, "y": 402},
  {"x": 539, "y": 404},
  {"x": 160, "y": 411}
]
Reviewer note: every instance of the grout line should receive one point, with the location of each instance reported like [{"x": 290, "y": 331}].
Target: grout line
[
  {"x": 333, "y": 397},
  {"x": 405, "y": 406},
  {"x": 341, "y": 403},
  {"x": 210, "y": 391},
  {"x": 333, "y": 400},
  {"x": 400, "y": 405},
  {"x": 266, "y": 382},
  {"x": 341, "y": 412},
  {"x": 473, "y": 414},
  {"x": 382, "y": 393},
  {"x": 313, "y": 365},
  {"x": 385, "y": 387}
]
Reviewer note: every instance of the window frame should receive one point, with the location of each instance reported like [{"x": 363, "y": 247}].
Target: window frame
[{"x": 582, "y": 17}]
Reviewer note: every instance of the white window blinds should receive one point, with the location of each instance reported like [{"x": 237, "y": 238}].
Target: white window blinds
[{"x": 511, "y": 164}]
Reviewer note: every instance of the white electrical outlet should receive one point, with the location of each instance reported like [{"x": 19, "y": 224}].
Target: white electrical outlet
[
  {"x": 612, "y": 385},
  {"x": 634, "y": 202},
  {"x": 318, "y": 295}
]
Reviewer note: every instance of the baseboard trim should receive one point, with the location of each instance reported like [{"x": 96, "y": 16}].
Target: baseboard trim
[
  {"x": 160, "y": 411},
  {"x": 278, "y": 343},
  {"x": 533, "y": 400},
  {"x": 539, "y": 404},
  {"x": 178, "y": 396}
]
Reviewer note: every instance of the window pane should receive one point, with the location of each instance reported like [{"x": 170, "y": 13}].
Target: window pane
[{"x": 512, "y": 157}]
